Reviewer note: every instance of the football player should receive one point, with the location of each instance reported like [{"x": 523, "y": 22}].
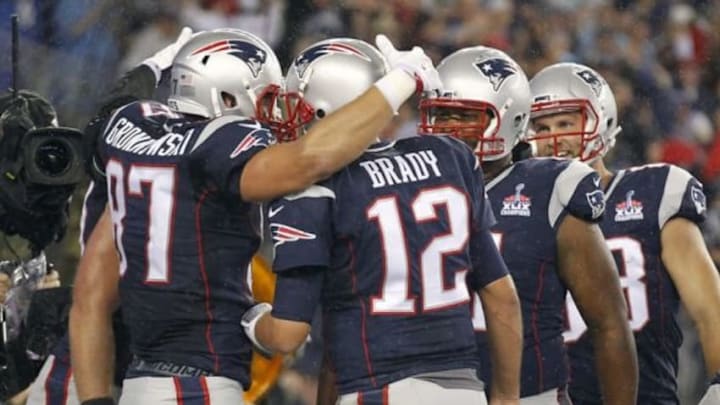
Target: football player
[
  {"x": 547, "y": 212},
  {"x": 181, "y": 225},
  {"x": 651, "y": 227},
  {"x": 386, "y": 245},
  {"x": 55, "y": 384}
]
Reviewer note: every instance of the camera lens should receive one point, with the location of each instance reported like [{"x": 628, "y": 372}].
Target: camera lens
[{"x": 53, "y": 157}]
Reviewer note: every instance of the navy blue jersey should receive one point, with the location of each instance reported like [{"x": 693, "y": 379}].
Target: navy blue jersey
[
  {"x": 394, "y": 232},
  {"x": 640, "y": 201},
  {"x": 184, "y": 236},
  {"x": 529, "y": 200}
]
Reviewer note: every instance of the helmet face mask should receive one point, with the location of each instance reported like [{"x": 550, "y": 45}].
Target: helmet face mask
[
  {"x": 472, "y": 121},
  {"x": 486, "y": 102},
  {"x": 578, "y": 136},
  {"x": 287, "y": 114},
  {"x": 571, "y": 87},
  {"x": 223, "y": 72}
]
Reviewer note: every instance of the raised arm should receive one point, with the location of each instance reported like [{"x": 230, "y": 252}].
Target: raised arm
[
  {"x": 587, "y": 268},
  {"x": 342, "y": 136},
  {"x": 95, "y": 298}
]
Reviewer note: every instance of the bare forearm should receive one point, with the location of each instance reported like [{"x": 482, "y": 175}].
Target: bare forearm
[
  {"x": 694, "y": 274},
  {"x": 279, "y": 335},
  {"x": 332, "y": 143},
  {"x": 264, "y": 332},
  {"x": 506, "y": 346},
  {"x": 92, "y": 348},
  {"x": 342, "y": 136},
  {"x": 708, "y": 332},
  {"x": 616, "y": 364}
]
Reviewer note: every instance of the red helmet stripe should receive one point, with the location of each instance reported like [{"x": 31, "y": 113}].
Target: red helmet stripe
[{"x": 217, "y": 44}]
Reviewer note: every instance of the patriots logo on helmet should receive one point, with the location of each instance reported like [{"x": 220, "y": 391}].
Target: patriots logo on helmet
[
  {"x": 250, "y": 53},
  {"x": 591, "y": 79},
  {"x": 497, "y": 70},
  {"x": 306, "y": 58},
  {"x": 285, "y": 233}
]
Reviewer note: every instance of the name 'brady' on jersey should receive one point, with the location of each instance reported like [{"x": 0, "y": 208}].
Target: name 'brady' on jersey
[{"x": 395, "y": 232}]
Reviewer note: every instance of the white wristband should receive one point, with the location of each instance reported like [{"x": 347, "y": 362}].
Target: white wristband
[
  {"x": 250, "y": 319},
  {"x": 397, "y": 86},
  {"x": 155, "y": 68}
]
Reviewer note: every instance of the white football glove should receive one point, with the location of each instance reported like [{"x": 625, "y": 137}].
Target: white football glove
[
  {"x": 413, "y": 62},
  {"x": 163, "y": 58},
  {"x": 248, "y": 322}
]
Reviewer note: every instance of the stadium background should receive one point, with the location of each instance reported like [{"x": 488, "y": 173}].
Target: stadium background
[{"x": 661, "y": 57}]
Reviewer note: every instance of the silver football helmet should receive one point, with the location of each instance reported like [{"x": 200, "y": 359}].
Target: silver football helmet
[
  {"x": 223, "y": 71},
  {"x": 323, "y": 78},
  {"x": 570, "y": 87},
  {"x": 491, "y": 91},
  {"x": 610, "y": 115}
]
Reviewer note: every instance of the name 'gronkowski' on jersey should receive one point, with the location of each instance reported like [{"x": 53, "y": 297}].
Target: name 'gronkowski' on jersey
[
  {"x": 394, "y": 231},
  {"x": 184, "y": 237},
  {"x": 640, "y": 201},
  {"x": 529, "y": 200}
]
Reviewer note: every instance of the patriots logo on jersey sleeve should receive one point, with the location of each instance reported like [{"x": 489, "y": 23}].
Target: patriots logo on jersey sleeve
[
  {"x": 251, "y": 54},
  {"x": 596, "y": 199},
  {"x": 258, "y": 136},
  {"x": 517, "y": 204},
  {"x": 592, "y": 80},
  {"x": 496, "y": 70},
  {"x": 630, "y": 209},
  {"x": 306, "y": 58},
  {"x": 698, "y": 199},
  {"x": 285, "y": 233}
]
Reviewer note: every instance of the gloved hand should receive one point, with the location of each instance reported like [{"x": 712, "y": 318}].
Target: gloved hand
[
  {"x": 413, "y": 62},
  {"x": 163, "y": 58},
  {"x": 248, "y": 322},
  {"x": 712, "y": 395}
]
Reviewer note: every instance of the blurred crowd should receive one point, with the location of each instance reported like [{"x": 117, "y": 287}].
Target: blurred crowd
[{"x": 661, "y": 57}]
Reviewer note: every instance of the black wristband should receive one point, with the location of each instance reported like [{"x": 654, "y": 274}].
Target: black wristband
[{"x": 99, "y": 401}]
